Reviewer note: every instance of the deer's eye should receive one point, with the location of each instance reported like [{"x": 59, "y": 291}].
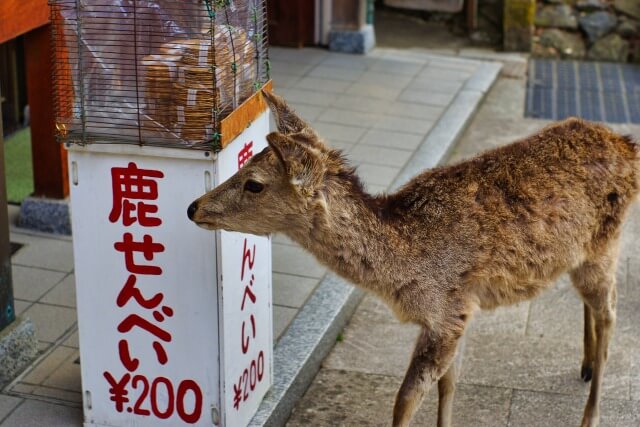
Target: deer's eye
[{"x": 253, "y": 186}]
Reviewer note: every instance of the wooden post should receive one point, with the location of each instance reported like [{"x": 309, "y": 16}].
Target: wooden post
[
  {"x": 49, "y": 157},
  {"x": 7, "y": 312}
]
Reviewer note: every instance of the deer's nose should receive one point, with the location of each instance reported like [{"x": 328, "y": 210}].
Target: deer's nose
[{"x": 191, "y": 210}]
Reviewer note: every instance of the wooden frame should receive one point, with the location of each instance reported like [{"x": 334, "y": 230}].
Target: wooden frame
[
  {"x": 21, "y": 16},
  {"x": 233, "y": 125}
]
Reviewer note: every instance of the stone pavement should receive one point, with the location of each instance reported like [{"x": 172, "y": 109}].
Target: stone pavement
[
  {"x": 522, "y": 363},
  {"x": 379, "y": 108}
]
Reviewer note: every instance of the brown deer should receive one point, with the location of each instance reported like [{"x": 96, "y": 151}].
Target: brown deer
[{"x": 490, "y": 231}]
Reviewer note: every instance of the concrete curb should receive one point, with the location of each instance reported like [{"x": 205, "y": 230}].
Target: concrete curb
[{"x": 312, "y": 334}]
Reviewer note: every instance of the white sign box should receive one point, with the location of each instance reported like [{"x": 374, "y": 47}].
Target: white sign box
[{"x": 175, "y": 321}]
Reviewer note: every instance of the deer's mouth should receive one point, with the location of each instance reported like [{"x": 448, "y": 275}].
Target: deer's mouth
[{"x": 208, "y": 225}]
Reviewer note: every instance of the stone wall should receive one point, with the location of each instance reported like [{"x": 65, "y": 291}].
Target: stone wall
[{"x": 600, "y": 30}]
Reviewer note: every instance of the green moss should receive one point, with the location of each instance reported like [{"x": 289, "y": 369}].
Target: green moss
[{"x": 18, "y": 167}]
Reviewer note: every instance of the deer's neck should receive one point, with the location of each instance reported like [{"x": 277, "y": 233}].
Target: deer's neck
[{"x": 346, "y": 234}]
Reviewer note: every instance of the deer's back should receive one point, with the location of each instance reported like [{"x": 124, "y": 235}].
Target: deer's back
[{"x": 509, "y": 221}]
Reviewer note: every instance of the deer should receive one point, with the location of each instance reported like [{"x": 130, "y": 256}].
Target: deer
[{"x": 490, "y": 231}]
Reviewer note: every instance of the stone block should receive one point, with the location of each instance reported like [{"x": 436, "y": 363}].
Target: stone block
[
  {"x": 18, "y": 347},
  {"x": 47, "y": 215},
  {"x": 360, "y": 41}
]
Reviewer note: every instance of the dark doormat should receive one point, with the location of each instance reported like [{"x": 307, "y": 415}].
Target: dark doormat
[{"x": 598, "y": 91}]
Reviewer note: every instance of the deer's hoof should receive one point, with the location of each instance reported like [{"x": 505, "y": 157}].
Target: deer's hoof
[{"x": 586, "y": 373}]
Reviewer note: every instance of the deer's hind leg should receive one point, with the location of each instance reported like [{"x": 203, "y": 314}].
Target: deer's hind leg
[
  {"x": 595, "y": 281},
  {"x": 447, "y": 387},
  {"x": 586, "y": 372}
]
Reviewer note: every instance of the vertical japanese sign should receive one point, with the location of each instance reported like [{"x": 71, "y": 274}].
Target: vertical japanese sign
[
  {"x": 146, "y": 289},
  {"x": 245, "y": 264}
]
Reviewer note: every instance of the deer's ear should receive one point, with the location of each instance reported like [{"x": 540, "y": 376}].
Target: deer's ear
[
  {"x": 286, "y": 119},
  {"x": 303, "y": 165},
  {"x": 278, "y": 143}
]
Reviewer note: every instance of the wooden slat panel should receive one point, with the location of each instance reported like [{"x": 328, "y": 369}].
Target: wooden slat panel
[
  {"x": 18, "y": 17},
  {"x": 49, "y": 157}
]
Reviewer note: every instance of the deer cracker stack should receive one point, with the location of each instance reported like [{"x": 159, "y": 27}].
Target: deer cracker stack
[{"x": 182, "y": 93}]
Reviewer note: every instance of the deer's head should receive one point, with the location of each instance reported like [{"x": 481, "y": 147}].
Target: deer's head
[{"x": 276, "y": 188}]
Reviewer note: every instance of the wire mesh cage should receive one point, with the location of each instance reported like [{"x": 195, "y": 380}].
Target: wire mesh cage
[{"x": 155, "y": 72}]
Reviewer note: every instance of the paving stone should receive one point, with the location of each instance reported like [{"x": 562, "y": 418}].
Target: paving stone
[
  {"x": 443, "y": 73},
  {"x": 481, "y": 138},
  {"x": 292, "y": 68},
  {"x": 332, "y": 131},
  {"x": 373, "y": 310},
  {"x": 345, "y": 146},
  {"x": 551, "y": 410},
  {"x": 559, "y": 312},
  {"x": 346, "y": 117},
  {"x": 539, "y": 364},
  {"x": 293, "y": 260},
  {"x": 627, "y": 334},
  {"x": 365, "y": 347},
  {"x": 292, "y": 291},
  {"x": 47, "y": 366},
  {"x": 629, "y": 242},
  {"x": 429, "y": 97},
  {"x": 361, "y": 103},
  {"x": 305, "y": 56},
  {"x": 348, "y": 61},
  {"x": 22, "y": 388},
  {"x": 8, "y": 404},
  {"x": 377, "y": 174},
  {"x": 34, "y": 413},
  {"x": 385, "y": 79},
  {"x": 432, "y": 85},
  {"x": 67, "y": 375},
  {"x": 283, "y": 80},
  {"x": 309, "y": 97},
  {"x": 504, "y": 101},
  {"x": 309, "y": 113},
  {"x": 45, "y": 253},
  {"x": 30, "y": 283},
  {"x": 282, "y": 317},
  {"x": 396, "y": 140},
  {"x": 503, "y": 320},
  {"x": 20, "y": 306},
  {"x": 72, "y": 341},
  {"x": 379, "y": 155},
  {"x": 51, "y": 322},
  {"x": 454, "y": 63},
  {"x": 336, "y": 73},
  {"x": 64, "y": 293},
  {"x": 415, "y": 110},
  {"x": 59, "y": 395},
  {"x": 419, "y": 127},
  {"x": 374, "y": 91},
  {"x": 397, "y": 67},
  {"x": 341, "y": 398},
  {"x": 320, "y": 84},
  {"x": 43, "y": 347}
]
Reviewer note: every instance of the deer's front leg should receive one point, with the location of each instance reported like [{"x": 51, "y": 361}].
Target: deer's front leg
[{"x": 431, "y": 360}]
